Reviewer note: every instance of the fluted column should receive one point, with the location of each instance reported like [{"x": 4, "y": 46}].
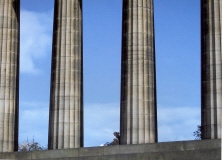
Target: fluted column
[
  {"x": 66, "y": 99},
  {"x": 138, "y": 82},
  {"x": 211, "y": 60},
  {"x": 9, "y": 74}
]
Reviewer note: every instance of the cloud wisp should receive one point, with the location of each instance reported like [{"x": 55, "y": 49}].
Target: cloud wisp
[
  {"x": 36, "y": 30},
  {"x": 33, "y": 122},
  {"x": 101, "y": 120},
  {"x": 174, "y": 123},
  {"x": 177, "y": 123}
]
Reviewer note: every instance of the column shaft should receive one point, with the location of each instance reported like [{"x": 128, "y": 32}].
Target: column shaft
[
  {"x": 9, "y": 74},
  {"x": 138, "y": 80},
  {"x": 211, "y": 63},
  {"x": 66, "y": 99}
]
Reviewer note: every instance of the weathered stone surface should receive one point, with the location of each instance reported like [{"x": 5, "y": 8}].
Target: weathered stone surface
[
  {"x": 9, "y": 74},
  {"x": 138, "y": 80},
  {"x": 211, "y": 62},
  {"x": 66, "y": 101},
  {"x": 184, "y": 150}
]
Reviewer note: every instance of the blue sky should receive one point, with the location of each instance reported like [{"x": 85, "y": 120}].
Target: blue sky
[{"x": 177, "y": 30}]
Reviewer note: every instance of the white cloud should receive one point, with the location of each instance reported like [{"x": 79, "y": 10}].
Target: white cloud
[
  {"x": 174, "y": 123},
  {"x": 36, "y": 29},
  {"x": 101, "y": 120},
  {"x": 177, "y": 123},
  {"x": 33, "y": 122}
]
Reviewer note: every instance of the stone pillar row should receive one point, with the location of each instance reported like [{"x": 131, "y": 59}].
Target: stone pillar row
[{"x": 138, "y": 122}]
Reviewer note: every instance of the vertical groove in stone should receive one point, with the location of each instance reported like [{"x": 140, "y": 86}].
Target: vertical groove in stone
[
  {"x": 66, "y": 99},
  {"x": 138, "y": 87},
  {"x": 9, "y": 74},
  {"x": 211, "y": 73}
]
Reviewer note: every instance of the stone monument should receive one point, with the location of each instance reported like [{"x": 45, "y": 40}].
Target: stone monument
[
  {"x": 66, "y": 96},
  {"x": 9, "y": 74},
  {"x": 138, "y": 80},
  {"x": 211, "y": 63},
  {"x": 138, "y": 86}
]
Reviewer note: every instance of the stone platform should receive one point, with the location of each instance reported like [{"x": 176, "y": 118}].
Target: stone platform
[{"x": 182, "y": 150}]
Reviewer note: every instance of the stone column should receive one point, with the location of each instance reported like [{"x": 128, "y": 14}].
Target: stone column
[
  {"x": 211, "y": 63},
  {"x": 9, "y": 74},
  {"x": 66, "y": 99},
  {"x": 138, "y": 81}
]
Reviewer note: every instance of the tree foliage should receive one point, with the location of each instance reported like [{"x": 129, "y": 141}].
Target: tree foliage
[
  {"x": 115, "y": 140},
  {"x": 197, "y": 133},
  {"x": 30, "y": 146}
]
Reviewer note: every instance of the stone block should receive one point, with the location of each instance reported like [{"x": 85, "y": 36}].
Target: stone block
[
  {"x": 184, "y": 150},
  {"x": 112, "y": 150},
  {"x": 55, "y": 153},
  {"x": 91, "y": 151},
  {"x": 16, "y": 155}
]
